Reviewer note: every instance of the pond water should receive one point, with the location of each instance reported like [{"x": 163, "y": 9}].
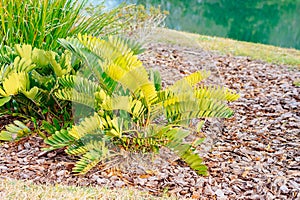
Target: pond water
[{"x": 275, "y": 22}]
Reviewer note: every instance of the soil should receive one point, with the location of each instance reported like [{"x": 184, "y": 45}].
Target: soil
[{"x": 253, "y": 155}]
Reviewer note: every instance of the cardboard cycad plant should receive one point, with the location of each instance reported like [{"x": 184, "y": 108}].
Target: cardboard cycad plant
[
  {"x": 128, "y": 108},
  {"x": 27, "y": 85}
]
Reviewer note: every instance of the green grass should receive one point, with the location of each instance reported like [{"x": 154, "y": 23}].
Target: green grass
[
  {"x": 255, "y": 51},
  {"x": 41, "y": 22},
  {"x": 24, "y": 190}
]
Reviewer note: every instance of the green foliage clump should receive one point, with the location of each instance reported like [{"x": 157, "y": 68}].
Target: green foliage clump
[
  {"x": 129, "y": 109},
  {"x": 41, "y": 22},
  {"x": 27, "y": 84}
]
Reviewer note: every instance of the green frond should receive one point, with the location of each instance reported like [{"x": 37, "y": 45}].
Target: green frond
[
  {"x": 91, "y": 60},
  {"x": 156, "y": 79},
  {"x": 119, "y": 45},
  {"x": 19, "y": 65},
  {"x": 14, "y": 131},
  {"x": 42, "y": 81},
  {"x": 117, "y": 103},
  {"x": 80, "y": 84},
  {"x": 5, "y": 69},
  {"x": 36, "y": 56},
  {"x": 142, "y": 144},
  {"x": 70, "y": 94},
  {"x": 116, "y": 60},
  {"x": 37, "y": 95},
  {"x": 135, "y": 46},
  {"x": 13, "y": 83},
  {"x": 112, "y": 126},
  {"x": 132, "y": 106},
  {"x": 175, "y": 135},
  {"x": 137, "y": 109},
  {"x": 78, "y": 49},
  {"x": 175, "y": 143},
  {"x": 184, "y": 103},
  {"x": 186, "y": 110},
  {"x": 60, "y": 68},
  {"x": 7, "y": 54},
  {"x": 4, "y": 100},
  {"x": 88, "y": 125},
  {"x": 191, "y": 79},
  {"x": 231, "y": 95},
  {"x": 97, "y": 152},
  {"x": 216, "y": 92},
  {"x": 195, "y": 162},
  {"x": 25, "y": 51},
  {"x": 77, "y": 148},
  {"x": 137, "y": 79},
  {"x": 59, "y": 139},
  {"x": 23, "y": 64},
  {"x": 39, "y": 57},
  {"x": 102, "y": 48},
  {"x": 114, "y": 49},
  {"x": 87, "y": 162}
]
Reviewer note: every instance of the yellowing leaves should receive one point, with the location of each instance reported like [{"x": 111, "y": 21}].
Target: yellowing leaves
[{"x": 15, "y": 82}]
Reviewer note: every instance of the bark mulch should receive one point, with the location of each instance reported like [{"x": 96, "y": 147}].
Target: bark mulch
[{"x": 253, "y": 155}]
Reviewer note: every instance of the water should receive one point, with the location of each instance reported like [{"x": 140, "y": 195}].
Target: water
[{"x": 275, "y": 22}]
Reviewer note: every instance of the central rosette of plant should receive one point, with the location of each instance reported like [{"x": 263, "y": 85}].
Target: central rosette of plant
[{"x": 120, "y": 106}]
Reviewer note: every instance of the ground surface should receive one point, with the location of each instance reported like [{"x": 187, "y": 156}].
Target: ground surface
[{"x": 254, "y": 155}]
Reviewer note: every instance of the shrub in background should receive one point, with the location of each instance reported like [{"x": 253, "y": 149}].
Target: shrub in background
[{"x": 142, "y": 21}]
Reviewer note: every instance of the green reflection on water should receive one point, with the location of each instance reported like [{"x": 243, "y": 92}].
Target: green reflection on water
[{"x": 275, "y": 22}]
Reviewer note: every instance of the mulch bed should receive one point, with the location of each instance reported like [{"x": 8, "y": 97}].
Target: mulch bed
[{"x": 253, "y": 155}]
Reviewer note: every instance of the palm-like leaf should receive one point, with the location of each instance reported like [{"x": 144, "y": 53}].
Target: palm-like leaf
[
  {"x": 14, "y": 131},
  {"x": 59, "y": 139},
  {"x": 14, "y": 83}
]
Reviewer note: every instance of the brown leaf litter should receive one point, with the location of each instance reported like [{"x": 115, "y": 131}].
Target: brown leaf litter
[{"x": 253, "y": 155}]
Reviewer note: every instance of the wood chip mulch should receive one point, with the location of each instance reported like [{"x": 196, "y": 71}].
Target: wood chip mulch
[{"x": 253, "y": 155}]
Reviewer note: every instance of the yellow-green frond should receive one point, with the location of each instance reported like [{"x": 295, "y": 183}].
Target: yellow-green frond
[
  {"x": 23, "y": 64},
  {"x": 76, "y": 149},
  {"x": 59, "y": 139},
  {"x": 231, "y": 95},
  {"x": 71, "y": 94},
  {"x": 86, "y": 162},
  {"x": 216, "y": 92},
  {"x": 88, "y": 125},
  {"x": 97, "y": 152},
  {"x": 117, "y": 103},
  {"x": 80, "y": 84},
  {"x": 192, "y": 79},
  {"x": 35, "y": 55},
  {"x": 137, "y": 108},
  {"x": 14, "y": 83},
  {"x": 25, "y": 50},
  {"x": 60, "y": 68},
  {"x": 14, "y": 131}
]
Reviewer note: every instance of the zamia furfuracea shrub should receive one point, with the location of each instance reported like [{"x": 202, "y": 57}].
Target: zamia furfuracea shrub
[{"x": 128, "y": 110}]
